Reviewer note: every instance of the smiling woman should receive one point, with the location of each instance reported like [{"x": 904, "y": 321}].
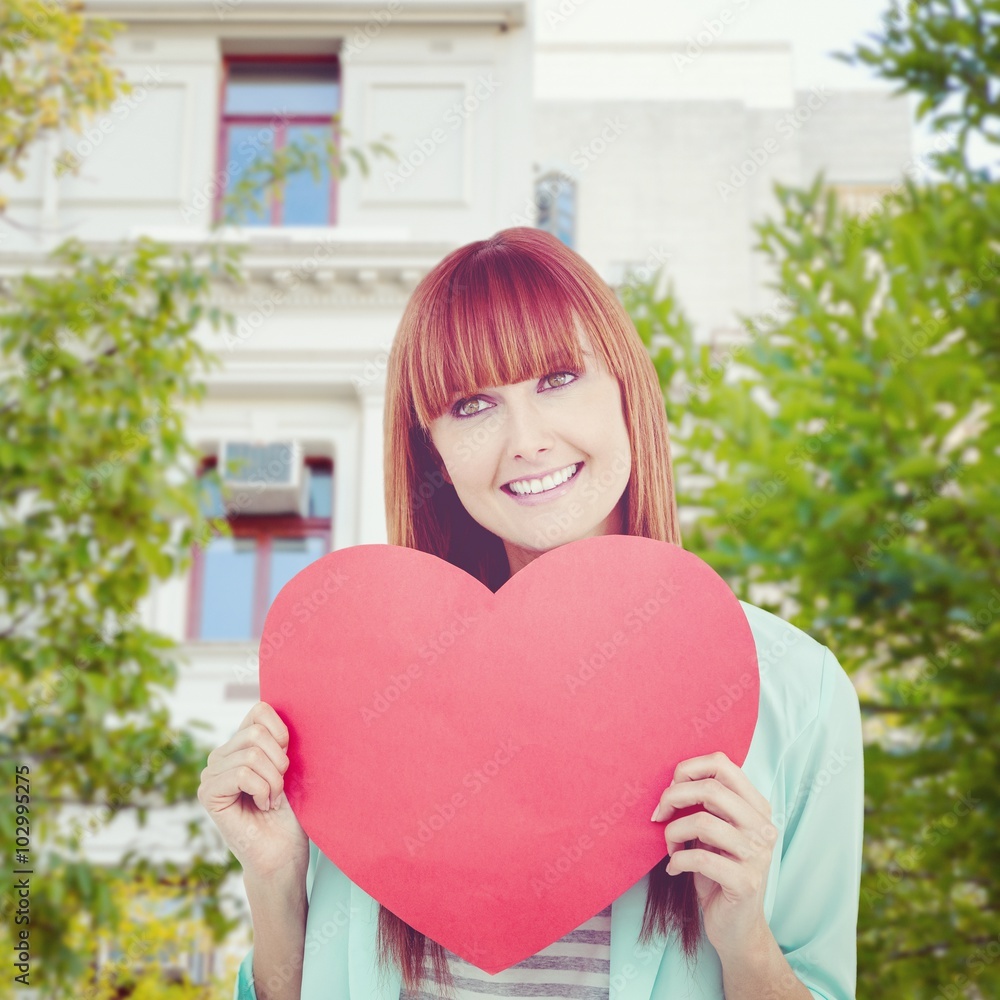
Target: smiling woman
[
  {"x": 544, "y": 444},
  {"x": 514, "y": 362},
  {"x": 524, "y": 412},
  {"x": 510, "y": 364}
]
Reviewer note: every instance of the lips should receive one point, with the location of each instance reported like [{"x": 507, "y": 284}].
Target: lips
[{"x": 527, "y": 479}]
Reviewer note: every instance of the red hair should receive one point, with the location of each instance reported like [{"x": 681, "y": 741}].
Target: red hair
[{"x": 494, "y": 312}]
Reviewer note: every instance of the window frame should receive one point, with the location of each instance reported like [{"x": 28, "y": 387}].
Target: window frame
[
  {"x": 277, "y": 205},
  {"x": 262, "y": 527},
  {"x": 566, "y": 185}
]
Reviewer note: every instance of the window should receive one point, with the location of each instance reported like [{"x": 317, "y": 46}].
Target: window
[
  {"x": 861, "y": 199},
  {"x": 269, "y": 103},
  {"x": 189, "y": 957},
  {"x": 235, "y": 579},
  {"x": 555, "y": 198}
]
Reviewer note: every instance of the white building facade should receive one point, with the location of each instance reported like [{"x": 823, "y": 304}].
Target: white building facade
[{"x": 645, "y": 148}]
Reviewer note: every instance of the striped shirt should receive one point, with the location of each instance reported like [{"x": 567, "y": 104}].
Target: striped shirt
[{"x": 576, "y": 967}]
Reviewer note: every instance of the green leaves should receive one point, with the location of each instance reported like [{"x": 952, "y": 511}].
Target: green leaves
[
  {"x": 88, "y": 495},
  {"x": 855, "y": 466},
  {"x": 945, "y": 52},
  {"x": 53, "y": 74},
  {"x": 262, "y": 179}
]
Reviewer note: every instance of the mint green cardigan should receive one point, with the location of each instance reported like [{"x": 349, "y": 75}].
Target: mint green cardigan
[{"x": 806, "y": 757}]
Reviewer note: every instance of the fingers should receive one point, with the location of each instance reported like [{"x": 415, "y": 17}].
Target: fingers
[
  {"x": 736, "y": 879},
  {"x": 712, "y": 832},
  {"x": 258, "y": 779},
  {"x": 716, "y": 797},
  {"x": 738, "y": 817},
  {"x": 255, "y": 735},
  {"x": 715, "y": 781},
  {"x": 252, "y": 761},
  {"x": 261, "y": 727},
  {"x": 719, "y": 766},
  {"x": 263, "y": 714}
]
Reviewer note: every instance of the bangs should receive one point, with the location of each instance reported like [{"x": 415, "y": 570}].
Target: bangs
[
  {"x": 497, "y": 312},
  {"x": 498, "y": 318}
]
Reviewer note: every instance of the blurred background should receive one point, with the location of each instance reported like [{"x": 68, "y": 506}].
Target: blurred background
[{"x": 211, "y": 217}]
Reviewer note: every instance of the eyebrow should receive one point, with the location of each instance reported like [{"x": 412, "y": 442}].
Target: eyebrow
[{"x": 457, "y": 394}]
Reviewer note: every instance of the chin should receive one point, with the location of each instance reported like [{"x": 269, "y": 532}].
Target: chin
[{"x": 552, "y": 540}]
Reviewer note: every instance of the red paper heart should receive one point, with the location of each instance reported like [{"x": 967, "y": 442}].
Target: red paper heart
[{"x": 486, "y": 765}]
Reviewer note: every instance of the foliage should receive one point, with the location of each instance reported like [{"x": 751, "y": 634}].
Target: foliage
[
  {"x": 53, "y": 72},
  {"x": 263, "y": 176},
  {"x": 99, "y": 356},
  {"x": 846, "y": 452},
  {"x": 91, "y": 513},
  {"x": 147, "y": 957},
  {"x": 946, "y": 52}
]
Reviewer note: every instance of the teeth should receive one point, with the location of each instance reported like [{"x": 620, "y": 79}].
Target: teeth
[{"x": 525, "y": 486}]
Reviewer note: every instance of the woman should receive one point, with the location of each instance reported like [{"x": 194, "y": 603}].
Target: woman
[{"x": 523, "y": 412}]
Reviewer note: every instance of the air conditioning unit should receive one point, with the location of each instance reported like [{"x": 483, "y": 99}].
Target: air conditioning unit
[{"x": 264, "y": 477}]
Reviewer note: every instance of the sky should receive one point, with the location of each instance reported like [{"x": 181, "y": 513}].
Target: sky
[
  {"x": 812, "y": 26},
  {"x": 815, "y": 29}
]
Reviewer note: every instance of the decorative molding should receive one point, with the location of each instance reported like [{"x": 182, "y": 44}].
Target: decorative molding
[
  {"x": 656, "y": 46},
  {"x": 330, "y": 379},
  {"x": 320, "y": 271},
  {"x": 336, "y": 295},
  {"x": 505, "y": 13},
  {"x": 365, "y": 286}
]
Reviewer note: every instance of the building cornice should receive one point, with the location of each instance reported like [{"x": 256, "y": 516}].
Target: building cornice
[
  {"x": 320, "y": 267},
  {"x": 506, "y": 13},
  {"x": 633, "y": 48}
]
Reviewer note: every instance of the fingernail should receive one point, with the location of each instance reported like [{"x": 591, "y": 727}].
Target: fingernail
[
  {"x": 656, "y": 813},
  {"x": 267, "y": 804}
]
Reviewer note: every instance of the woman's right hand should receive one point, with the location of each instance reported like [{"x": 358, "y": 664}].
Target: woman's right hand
[{"x": 242, "y": 789}]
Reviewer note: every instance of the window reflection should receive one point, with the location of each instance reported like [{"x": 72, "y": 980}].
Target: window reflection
[
  {"x": 320, "y": 492},
  {"x": 240, "y": 576},
  {"x": 555, "y": 197},
  {"x": 247, "y": 143},
  {"x": 260, "y": 87},
  {"x": 290, "y": 556},
  {"x": 227, "y": 588},
  {"x": 271, "y": 104},
  {"x": 307, "y": 198}
]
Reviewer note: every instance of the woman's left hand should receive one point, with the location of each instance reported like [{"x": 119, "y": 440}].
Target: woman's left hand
[{"x": 733, "y": 844}]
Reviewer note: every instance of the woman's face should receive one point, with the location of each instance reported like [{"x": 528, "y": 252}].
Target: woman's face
[{"x": 534, "y": 434}]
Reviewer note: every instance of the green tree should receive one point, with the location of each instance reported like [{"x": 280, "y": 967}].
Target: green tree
[
  {"x": 92, "y": 514},
  {"x": 53, "y": 72},
  {"x": 847, "y": 451},
  {"x": 99, "y": 357}
]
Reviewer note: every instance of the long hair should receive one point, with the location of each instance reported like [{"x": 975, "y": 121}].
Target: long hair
[{"x": 493, "y": 312}]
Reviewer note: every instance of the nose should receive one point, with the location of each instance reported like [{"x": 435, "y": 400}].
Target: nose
[{"x": 528, "y": 433}]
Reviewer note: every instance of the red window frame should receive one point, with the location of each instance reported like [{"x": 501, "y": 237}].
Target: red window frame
[
  {"x": 263, "y": 527},
  {"x": 280, "y": 129}
]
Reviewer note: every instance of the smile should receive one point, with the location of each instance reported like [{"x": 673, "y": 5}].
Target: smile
[{"x": 554, "y": 483}]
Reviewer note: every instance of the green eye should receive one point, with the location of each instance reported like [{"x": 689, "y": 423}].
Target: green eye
[{"x": 456, "y": 410}]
